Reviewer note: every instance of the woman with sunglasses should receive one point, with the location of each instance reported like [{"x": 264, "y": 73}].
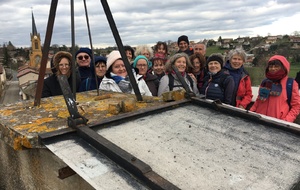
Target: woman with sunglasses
[
  {"x": 116, "y": 77},
  {"x": 83, "y": 60},
  {"x": 60, "y": 65}
]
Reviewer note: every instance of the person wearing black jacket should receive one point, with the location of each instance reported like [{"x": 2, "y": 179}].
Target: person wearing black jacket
[
  {"x": 60, "y": 65},
  {"x": 297, "y": 79},
  {"x": 183, "y": 44}
]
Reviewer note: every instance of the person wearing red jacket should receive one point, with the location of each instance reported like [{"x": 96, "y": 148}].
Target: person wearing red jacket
[
  {"x": 272, "y": 95},
  {"x": 242, "y": 93}
]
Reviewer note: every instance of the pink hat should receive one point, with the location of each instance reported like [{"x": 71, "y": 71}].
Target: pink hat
[{"x": 112, "y": 57}]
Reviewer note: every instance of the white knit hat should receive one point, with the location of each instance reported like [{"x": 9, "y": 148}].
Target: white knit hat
[{"x": 112, "y": 57}]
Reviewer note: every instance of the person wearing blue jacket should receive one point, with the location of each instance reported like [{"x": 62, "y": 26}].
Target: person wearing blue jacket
[{"x": 93, "y": 82}]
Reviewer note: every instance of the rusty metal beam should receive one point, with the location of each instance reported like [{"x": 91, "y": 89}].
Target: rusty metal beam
[
  {"x": 49, "y": 31},
  {"x": 132, "y": 164},
  {"x": 65, "y": 172},
  {"x": 119, "y": 43}
]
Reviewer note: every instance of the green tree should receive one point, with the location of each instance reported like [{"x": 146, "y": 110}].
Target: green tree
[{"x": 6, "y": 56}]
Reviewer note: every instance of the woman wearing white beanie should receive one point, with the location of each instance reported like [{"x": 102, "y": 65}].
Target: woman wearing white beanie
[{"x": 116, "y": 78}]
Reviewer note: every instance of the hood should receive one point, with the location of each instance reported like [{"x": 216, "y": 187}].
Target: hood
[{"x": 283, "y": 60}]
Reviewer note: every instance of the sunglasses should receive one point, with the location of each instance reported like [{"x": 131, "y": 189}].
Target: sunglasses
[{"x": 81, "y": 57}]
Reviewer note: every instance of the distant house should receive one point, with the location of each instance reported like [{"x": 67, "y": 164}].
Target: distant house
[
  {"x": 2, "y": 77},
  {"x": 295, "y": 42},
  {"x": 271, "y": 39},
  {"x": 28, "y": 77}
]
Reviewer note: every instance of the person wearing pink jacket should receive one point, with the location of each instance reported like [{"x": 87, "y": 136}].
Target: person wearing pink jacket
[{"x": 272, "y": 95}]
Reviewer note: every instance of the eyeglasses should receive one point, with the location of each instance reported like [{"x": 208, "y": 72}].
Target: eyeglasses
[
  {"x": 64, "y": 65},
  {"x": 141, "y": 65},
  {"x": 81, "y": 57}
]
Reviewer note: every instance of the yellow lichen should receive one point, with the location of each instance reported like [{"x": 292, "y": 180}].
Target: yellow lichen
[
  {"x": 7, "y": 112},
  {"x": 35, "y": 124}
]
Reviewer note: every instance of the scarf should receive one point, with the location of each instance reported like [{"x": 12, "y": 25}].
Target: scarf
[
  {"x": 182, "y": 74},
  {"x": 277, "y": 75},
  {"x": 269, "y": 88},
  {"x": 116, "y": 78}
]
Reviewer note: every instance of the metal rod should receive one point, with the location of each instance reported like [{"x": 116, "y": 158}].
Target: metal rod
[
  {"x": 49, "y": 31},
  {"x": 91, "y": 44},
  {"x": 132, "y": 164},
  {"x": 121, "y": 49},
  {"x": 74, "y": 87}
]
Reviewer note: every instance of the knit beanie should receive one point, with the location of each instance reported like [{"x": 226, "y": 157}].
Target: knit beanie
[
  {"x": 138, "y": 58},
  {"x": 112, "y": 57},
  {"x": 100, "y": 59},
  {"x": 84, "y": 50},
  {"x": 183, "y": 38},
  {"x": 215, "y": 58}
]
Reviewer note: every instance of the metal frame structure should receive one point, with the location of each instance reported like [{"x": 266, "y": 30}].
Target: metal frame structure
[{"x": 78, "y": 124}]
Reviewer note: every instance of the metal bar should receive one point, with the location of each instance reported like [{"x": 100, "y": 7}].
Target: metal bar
[
  {"x": 74, "y": 87},
  {"x": 49, "y": 31},
  {"x": 246, "y": 114},
  {"x": 129, "y": 162},
  {"x": 121, "y": 49},
  {"x": 91, "y": 44},
  {"x": 188, "y": 91},
  {"x": 65, "y": 172}
]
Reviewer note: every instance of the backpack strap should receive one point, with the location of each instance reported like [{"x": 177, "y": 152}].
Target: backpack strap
[
  {"x": 289, "y": 88},
  {"x": 171, "y": 81}
]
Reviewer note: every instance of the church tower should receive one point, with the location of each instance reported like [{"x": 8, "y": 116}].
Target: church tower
[{"x": 36, "y": 48}]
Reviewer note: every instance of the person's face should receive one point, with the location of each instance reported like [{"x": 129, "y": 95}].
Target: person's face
[
  {"x": 64, "y": 66},
  {"x": 196, "y": 64},
  {"x": 214, "y": 66},
  {"x": 183, "y": 46},
  {"x": 236, "y": 62},
  {"x": 158, "y": 67},
  {"x": 274, "y": 68},
  {"x": 142, "y": 65},
  {"x": 100, "y": 69},
  {"x": 119, "y": 69},
  {"x": 161, "y": 49},
  {"x": 146, "y": 54},
  {"x": 199, "y": 48},
  {"x": 129, "y": 55},
  {"x": 83, "y": 59},
  {"x": 180, "y": 64}
]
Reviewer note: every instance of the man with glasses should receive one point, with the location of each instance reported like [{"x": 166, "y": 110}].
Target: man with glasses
[{"x": 83, "y": 60}]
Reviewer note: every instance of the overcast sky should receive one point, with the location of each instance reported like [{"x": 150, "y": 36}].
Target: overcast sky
[{"x": 146, "y": 22}]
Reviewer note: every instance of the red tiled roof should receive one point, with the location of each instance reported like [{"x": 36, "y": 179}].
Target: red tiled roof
[{"x": 26, "y": 71}]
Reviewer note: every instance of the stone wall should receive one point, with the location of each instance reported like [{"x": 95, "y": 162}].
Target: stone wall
[{"x": 34, "y": 169}]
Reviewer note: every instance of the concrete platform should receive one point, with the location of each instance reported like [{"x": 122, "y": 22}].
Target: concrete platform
[{"x": 191, "y": 145}]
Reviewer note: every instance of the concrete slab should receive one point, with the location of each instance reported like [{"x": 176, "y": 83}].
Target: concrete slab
[
  {"x": 92, "y": 166},
  {"x": 199, "y": 148}
]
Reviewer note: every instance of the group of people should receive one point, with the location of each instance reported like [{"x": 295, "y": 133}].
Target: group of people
[{"x": 156, "y": 73}]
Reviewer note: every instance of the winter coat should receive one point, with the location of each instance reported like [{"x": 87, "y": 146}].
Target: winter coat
[
  {"x": 152, "y": 83},
  {"x": 52, "y": 88},
  {"x": 277, "y": 106},
  {"x": 218, "y": 86},
  {"x": 89, "y": 84},
  {"x": 85, "y": 72},
  {"x": 242, "y": 94},
  {"x": 189, "y": 51},
  {"x": 164, "y": 84},
  {"x": 109, "y": 84}
]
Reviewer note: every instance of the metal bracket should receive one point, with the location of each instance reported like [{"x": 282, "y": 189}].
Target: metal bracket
[{"x": 75, "y": 117}]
